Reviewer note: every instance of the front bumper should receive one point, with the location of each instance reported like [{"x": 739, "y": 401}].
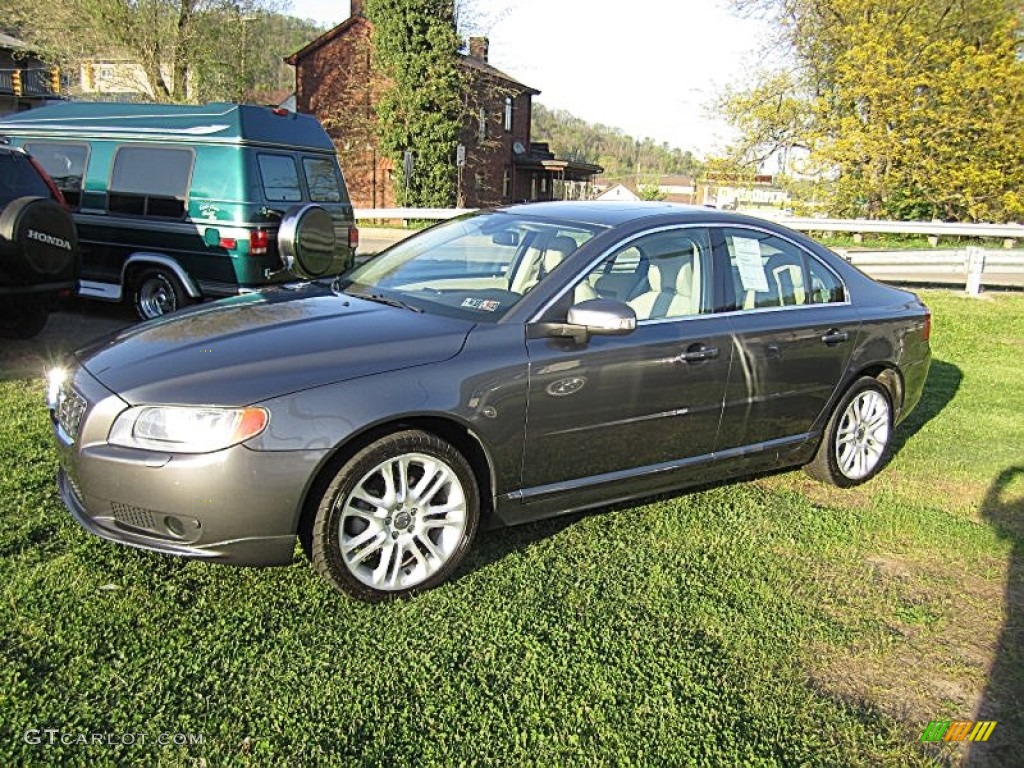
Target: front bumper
[{"x": 236, "y": 506}]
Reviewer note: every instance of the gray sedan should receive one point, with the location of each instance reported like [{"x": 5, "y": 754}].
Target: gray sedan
[{"x": 499, "y": 368}]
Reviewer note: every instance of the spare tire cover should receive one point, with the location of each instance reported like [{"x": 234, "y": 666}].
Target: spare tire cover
[
  {"x": 42, "y": 242},
  {"x": 307, "y": 241}
]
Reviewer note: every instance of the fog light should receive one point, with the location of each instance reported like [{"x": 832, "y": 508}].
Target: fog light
[{"x": 174, "y": 526}]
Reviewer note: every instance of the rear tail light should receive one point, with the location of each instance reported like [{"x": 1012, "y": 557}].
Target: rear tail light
[
  {"x": 51, "y": 185},
  {"x": 353, "y": 237},
  {"x": 258, "y": 242},
  {"x": 926, "y": 332}
]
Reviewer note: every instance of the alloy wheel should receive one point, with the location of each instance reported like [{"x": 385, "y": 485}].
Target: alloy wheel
[
  {"x": 863, "y": 434},
  {"x": 402, "y": 522}
]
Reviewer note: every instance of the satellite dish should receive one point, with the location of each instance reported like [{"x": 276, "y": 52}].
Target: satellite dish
[{"x": 518, "y": 148}]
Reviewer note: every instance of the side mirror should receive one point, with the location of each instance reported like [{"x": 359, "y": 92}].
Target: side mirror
[{"x": 603, "y": 317}]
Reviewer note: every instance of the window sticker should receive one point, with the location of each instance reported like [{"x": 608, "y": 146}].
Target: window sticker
[
  {"x": 747, "y": 251},
  {"x": 484, "y": 305}
]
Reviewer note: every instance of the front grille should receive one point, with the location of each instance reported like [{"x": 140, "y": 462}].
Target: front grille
[
  {"x": 135, "y": 517},
  {"x": 70, "y": 410}
]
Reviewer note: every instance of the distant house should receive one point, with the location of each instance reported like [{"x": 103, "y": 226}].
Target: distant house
[
  {"x": 333, "y": 81},
  {"x": 26, "y": 81},
  {"x": 114, "y": 76},
  {"x": 618, "y": 193},
  {"x": 743, "y": 193}
]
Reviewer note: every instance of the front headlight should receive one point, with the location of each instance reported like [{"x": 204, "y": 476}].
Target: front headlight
[
  {"x": 186, "y": 429},
  {"x": 55, "y": 378}
]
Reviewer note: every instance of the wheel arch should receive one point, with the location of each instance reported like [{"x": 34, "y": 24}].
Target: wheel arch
[
  {"x": 142, "y": 260},
  {"x": 889, "y": 376},
  {"x": 453, "y": 431}
]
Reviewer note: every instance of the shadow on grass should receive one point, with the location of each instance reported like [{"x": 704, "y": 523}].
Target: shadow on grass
[
  {"x": 940, "y": 388},
  {"x": 1003, "y": 700}
]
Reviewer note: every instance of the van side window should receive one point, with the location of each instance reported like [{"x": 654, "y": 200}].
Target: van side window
[
  {"x": 150, "y": 181},
  {"x": 322, "y": 179},
  {"x": 66, "y": 165},
  {"x": 280, "y": 178}
]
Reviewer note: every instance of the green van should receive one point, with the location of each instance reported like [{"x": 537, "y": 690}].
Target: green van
[{"x": 174, "y": 204}]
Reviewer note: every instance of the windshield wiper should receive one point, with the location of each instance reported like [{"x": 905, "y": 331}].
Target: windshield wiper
[{"x": 382, "y": 299}]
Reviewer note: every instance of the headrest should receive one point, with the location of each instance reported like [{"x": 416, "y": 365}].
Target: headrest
[{"x": 558, "y": 249}]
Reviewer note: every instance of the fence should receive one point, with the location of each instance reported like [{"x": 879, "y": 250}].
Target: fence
[{"x": 971, "y": 267}]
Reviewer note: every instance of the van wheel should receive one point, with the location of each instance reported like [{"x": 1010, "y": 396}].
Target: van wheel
[{"x": 157, "y": 292}]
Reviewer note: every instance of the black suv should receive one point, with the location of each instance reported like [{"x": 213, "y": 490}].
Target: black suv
[{"x": 38, "y": 245}]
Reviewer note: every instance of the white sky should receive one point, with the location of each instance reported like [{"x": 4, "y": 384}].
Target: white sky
[{"x": 649, "y": 67}]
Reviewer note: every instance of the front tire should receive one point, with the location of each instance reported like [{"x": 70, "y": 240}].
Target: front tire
[
  {"x": 157, "y": 292},
  {"x": 398, "y": 518},
  {"x": 858, "y": 436}
]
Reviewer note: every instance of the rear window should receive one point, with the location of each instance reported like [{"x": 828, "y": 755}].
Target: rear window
[
  {"x": 66, "y": 165},
  {"x": 19, "y": 179},
  {"x": 322, "y": 179},
  {"x": 280, "y": 178},
  {"x": 150, "y": 181}
]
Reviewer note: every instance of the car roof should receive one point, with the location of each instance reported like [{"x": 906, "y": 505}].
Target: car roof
[
  {"x": 215, "y": 123},
  {"x": 611, "y": 214}
]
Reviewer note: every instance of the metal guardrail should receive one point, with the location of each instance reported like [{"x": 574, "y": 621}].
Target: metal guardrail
[
  {"x": 803, "y": 224},
  {"x": 406, "y": 214},
  {"x": 971, "y": 267}
]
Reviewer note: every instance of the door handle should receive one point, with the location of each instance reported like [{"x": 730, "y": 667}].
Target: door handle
[
  {"x": 835, "y": 336},
  {"x": 697, "y": 352}
]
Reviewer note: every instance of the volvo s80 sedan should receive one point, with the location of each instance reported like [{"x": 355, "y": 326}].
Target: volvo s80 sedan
[{"x": 502, "y": 367}]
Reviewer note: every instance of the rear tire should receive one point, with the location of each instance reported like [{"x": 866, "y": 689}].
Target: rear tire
[
  {"x": 23, "y": 321},
  {"x": 398, "y": 518},
  {"x": 858, "y": 436},
  {"x": 157, "y": 292}
]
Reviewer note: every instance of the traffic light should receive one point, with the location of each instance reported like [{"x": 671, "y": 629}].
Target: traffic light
[
  {"x": 55, "y": 79},
  {"x": 16, "y": 82}
]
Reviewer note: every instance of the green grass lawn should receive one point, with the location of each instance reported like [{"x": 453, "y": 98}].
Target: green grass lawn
[{"x": 773, "y": 622}]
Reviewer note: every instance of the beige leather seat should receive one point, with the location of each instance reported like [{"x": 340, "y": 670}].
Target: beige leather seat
[
  {"x": 537, "y": 264},
  {"x": 674, "y": 287}
]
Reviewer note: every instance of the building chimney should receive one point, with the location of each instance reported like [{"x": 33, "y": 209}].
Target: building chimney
[
  {"x": 357, "y": 8},
  {"x": 478, "y": 48}
]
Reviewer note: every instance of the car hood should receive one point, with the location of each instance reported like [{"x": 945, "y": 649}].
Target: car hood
[{"x": 250, "y": 348}]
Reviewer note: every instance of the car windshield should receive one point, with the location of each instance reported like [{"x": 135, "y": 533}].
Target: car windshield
[{"x": 477, "y": 267}]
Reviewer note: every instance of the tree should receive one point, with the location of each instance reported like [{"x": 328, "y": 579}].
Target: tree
[
  {"x": 915, "y": 108},
  {"x": 190, "y": 50},
  {"x": 415, "y": 45},
  {"x": 623, "y": 158}
]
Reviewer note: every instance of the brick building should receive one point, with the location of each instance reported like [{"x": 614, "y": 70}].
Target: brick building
[{"x": 335, "y": 82}]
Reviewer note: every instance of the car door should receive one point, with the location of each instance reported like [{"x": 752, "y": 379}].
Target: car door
[
  {"x": 793, "y": 331},
  {"x": 615, "y": 407}
]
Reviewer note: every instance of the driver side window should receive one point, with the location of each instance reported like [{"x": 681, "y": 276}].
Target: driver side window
[{"x": 662, "y": 276}]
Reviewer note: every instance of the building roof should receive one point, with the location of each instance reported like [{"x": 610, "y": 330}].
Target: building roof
[
  {"x": 482, "y": 66},
  {"x": 13, "y": 43},
  {"x": 470, "y": 62},
  {"x": 324, "y": 39}
]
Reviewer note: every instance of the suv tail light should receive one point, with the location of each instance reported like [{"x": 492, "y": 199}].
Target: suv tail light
[
  {"x": 54, "y": 189},
  {"x": 926, "y": 332},
  {"x": 353, "y": 237},
  {"x": 258, "y": 242}
]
